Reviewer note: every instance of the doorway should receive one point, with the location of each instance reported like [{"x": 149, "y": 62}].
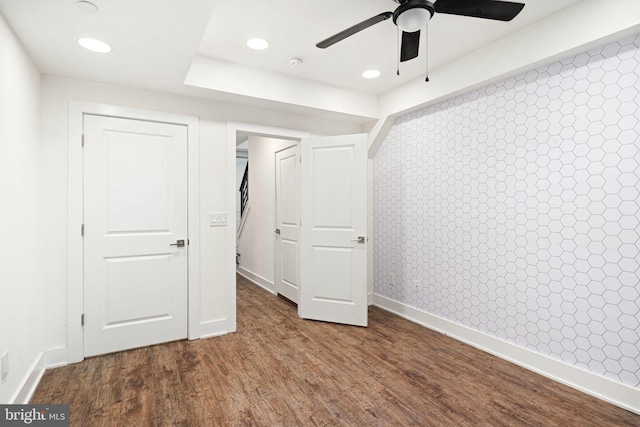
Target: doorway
[
  {"x": 258, "y": 244},
  {"x": 332, "y": 258}
]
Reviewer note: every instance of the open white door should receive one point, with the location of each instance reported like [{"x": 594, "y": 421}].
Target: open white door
[
  {"x": 287, "y": 229},
  {"x": 333, "y": 252}
]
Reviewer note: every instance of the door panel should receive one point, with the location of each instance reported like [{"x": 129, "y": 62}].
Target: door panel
[
  {"x": 135, "y": 208},
  {"x": 332, "y": 284},
  {"x": 289, "y": 251},
  {"x": 287, "y": 218},
  {"x": 129, "y": 289},
  {"x": 333, "y": 264},
  {"x": 136, "y": 178},
  {"x": 332, "y": 187}
]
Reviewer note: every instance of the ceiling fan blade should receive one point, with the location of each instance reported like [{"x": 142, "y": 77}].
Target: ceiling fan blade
[
  {"x": 410, "y": 45},
  {"x": 352, "y": 30},
  {"x": 488, "y": 9}
]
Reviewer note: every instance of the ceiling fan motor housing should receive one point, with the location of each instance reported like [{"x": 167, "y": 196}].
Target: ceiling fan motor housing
[{"x": 406, "y": 5}]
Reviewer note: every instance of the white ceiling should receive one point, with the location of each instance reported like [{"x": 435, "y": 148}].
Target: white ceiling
[
  {"x": 155, "y": 42},
  {"x": 294, "y": 27}
]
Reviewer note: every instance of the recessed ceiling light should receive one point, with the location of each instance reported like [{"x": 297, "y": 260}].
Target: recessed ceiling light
[
  {"x": 258, "y": 44},
  {"x": 94, "y": 45},
  {"x": 87, "y": 6},
  {"x": 371, "y": 74}
]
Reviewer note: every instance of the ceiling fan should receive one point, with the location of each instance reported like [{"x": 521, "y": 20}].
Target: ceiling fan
[{"x": 413, "y": 15}]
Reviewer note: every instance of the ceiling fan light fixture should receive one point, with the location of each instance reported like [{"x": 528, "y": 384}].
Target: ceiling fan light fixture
[
  {"x": 257, "y": 44},
  {"x": 413, "y": 20}
]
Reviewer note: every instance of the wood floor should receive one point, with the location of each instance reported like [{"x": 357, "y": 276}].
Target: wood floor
[{"x": 279, "y": 370}]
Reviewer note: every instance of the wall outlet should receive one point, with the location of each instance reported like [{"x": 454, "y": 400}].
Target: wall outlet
[
  {"x": 392, "y": 279},
  {"x": 416, "y": 285},
  {"x": 4, "y": 366}
]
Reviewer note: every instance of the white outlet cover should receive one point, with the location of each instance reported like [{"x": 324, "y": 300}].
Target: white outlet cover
[{"x": 5, "y": 365}]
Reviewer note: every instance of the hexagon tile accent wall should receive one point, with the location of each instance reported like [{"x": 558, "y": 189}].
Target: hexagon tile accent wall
[{"x": 516, "y": 208}]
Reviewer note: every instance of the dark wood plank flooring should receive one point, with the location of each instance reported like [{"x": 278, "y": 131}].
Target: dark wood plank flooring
[{"x": 279, "y": 370}]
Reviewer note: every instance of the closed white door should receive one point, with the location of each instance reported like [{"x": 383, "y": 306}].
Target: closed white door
[
  {"x": 135, "y": 215},
  {"x": 287, "y": 218},
  {"x": 333, "y": 263}
]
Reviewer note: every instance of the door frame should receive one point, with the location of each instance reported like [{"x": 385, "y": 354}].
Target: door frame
[
  {"x": 75, "y": 206},
  {"x": 232, "y": 130}
]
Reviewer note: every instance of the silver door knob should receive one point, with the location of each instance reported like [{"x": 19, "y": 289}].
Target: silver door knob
[
  {"x": 360, "y": 239},
  {"x": 178, "y": 243},
  {"x": 277, "y": 231}
]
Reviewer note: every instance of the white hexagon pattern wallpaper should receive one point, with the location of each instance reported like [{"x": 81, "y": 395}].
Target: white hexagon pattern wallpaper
[{"x": 515, "y": 210}]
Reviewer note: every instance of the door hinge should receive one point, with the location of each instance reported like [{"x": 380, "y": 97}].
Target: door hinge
[
  {"x": 83, "y": 140},
  {"x": 82, "y": 230},
  {"x": 82, "y": 319}
]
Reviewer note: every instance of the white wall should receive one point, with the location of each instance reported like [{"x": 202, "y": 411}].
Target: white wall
[
  {"x": 22, "y": 296},
  {"x": 256, "y": 241},
  {"x": 515, "y": 208}
]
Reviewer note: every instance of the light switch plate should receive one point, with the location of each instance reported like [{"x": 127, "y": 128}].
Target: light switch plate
[{"x": 217, "y": 219}]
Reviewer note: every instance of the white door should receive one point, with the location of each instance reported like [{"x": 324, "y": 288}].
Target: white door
[
  {"x": 333, "y": 255},
  {"x": 287, "y": 218},
  {"x": 135, "y": 212}
]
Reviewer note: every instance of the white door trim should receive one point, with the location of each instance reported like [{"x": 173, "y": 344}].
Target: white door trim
[
  {"x": 232, "y": 129},
  {"x": 75, "y": 202}
]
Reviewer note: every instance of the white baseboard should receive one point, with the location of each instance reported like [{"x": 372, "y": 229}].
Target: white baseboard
[
  {"x": 213, "y": 328},
  {"x": 603, "y": 388},
  {"x": 31, "y": 381},
  {"x": 257, "y": 279},
  {"x": 369, "y": 299},
  {"x": 56, "y": 357}
]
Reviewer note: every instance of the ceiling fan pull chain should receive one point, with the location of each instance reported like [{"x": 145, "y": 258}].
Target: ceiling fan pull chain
[
  {"x": 398, "y": 45},
  {"x": 426, "y": 48}
]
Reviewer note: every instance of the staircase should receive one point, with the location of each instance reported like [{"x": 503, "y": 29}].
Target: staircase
[
  {"x": 244, "y": 190},
  {"x": 244, "y": 200}
]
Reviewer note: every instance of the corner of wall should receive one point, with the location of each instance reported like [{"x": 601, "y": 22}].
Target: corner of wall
[{"x": 378, "y": 134}]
